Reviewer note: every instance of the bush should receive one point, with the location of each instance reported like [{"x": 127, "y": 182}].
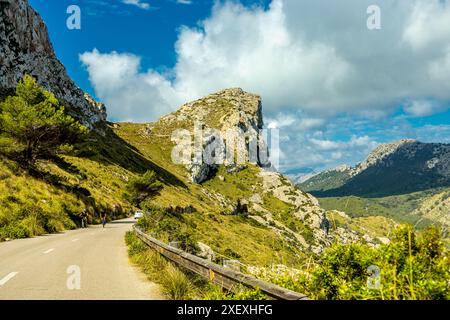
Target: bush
[
  {"x": 217, "y": 293},
  {"x": 187, "y": 242},
  {"x": 411, "y": 267},
  {"x": 142, "y": 188},
  {"x": 13, "y": 231},
  {"x": 175, "y": 284}
]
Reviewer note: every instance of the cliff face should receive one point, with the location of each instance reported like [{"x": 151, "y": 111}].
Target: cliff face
[
  {"x": 232, "y": 114},
  {"x": 25, "y": 48}
]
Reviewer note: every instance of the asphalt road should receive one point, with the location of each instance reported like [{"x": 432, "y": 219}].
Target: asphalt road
[{"x": 86, "y": 264}]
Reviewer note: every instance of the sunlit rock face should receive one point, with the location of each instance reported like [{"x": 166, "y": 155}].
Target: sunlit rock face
[{"x": 25, "y": 48}]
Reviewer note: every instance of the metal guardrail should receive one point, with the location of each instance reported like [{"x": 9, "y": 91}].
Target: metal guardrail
[{"x": 227, "y": 278}]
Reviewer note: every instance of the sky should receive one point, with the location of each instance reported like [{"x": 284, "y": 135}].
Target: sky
[{"x": 332, "y": 86}]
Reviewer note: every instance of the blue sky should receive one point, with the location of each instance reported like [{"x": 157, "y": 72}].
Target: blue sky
[{"x": 334, "y": 88}]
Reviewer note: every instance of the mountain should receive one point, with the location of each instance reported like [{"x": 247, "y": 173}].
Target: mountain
[
  {"x": 273, "y": 201},
  {"x": 25, "y": 48},
  {"x": 395, "y": 168},
  {"x": 239, "y": 208},
  {"x": 300, "y": 175}
]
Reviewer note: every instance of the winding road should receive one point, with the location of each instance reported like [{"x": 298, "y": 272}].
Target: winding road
[{"x": 82, "y": 264}]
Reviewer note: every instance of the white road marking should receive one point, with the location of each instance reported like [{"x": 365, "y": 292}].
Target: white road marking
[
  {"x": 7, "y": 278},
  {"x": 75, "y": 240},
  {"x": 48, "y": 251}
]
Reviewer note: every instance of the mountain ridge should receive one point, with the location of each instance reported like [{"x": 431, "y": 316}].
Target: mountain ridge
[{"x": 394, "y": 168}]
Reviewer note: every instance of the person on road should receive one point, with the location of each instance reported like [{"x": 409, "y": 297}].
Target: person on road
[
  {"x": 103, "y": 217},
  {"x": 84, "y": 218}
]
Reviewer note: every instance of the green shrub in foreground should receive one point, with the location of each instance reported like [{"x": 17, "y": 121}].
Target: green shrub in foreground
[{"x": 411, "y": 267}]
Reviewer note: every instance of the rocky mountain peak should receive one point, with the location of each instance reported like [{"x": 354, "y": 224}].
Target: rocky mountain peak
[
  {"x": 221, "y": 110},
  {"x": 230, "y": 112},
  {"x": 381, "y": 152},
  {"x": 25, "y": 48}
]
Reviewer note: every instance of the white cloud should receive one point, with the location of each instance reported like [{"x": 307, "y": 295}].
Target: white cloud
[
  {"x": 325, "y": 144},
  {"x": 129, "y": 94},
  {"x": 428, "y": 24},
  {"x": 138, "y": 3},
  {"x": 310, "y": 60},
  {"x": 337, "y": 65},
  {"x": 281, "y": 120},
  {"x": 423, "y": 108},
  {"x": 184, "y": 1}
]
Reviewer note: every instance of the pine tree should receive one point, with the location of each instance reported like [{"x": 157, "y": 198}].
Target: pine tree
[{"x": 37, "y": 123}]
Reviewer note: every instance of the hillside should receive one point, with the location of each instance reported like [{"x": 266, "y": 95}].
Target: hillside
[
  {"x": 396, "y": 168},
  {"x": 283, "y": 223},
  {"x": 280, "y": 214},
  {"x": 406, "y": 180}
]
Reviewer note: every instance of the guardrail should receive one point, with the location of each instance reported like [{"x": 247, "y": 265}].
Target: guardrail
[{"x": 227, "y": 278}]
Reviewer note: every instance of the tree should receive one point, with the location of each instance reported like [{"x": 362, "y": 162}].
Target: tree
[
  {"x": 141, "y": 188},
  {"x": 36, "y": 122}
]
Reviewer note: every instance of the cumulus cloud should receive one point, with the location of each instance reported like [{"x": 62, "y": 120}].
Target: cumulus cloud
[
  {"x": 310, "y": 61},
  {"x": 138, "y": 3},
  {"x": 129, "y": 94},
  {"x": 423, "y": 108}
]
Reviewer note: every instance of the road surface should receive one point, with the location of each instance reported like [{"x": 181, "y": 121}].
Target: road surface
[{"x": 86, "y": 264}]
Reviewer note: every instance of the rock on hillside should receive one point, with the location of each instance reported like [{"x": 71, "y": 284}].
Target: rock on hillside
[
  {"x": 25, "y": 48},
  {"x": 233, "y": 113}
]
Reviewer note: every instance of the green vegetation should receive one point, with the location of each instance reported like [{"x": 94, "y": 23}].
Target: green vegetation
[
  {"x": 397, "y": 207},
  {"x": 411, "y": 267},
  {"x": 374, "y": 226},
  {"x": 34, "y": 124},
  {"x": 229, "y": 236},
  {"x": 142, "y": 188},
  {"x": 179, "y": 284},
  {"x": 327, "y": 180}
]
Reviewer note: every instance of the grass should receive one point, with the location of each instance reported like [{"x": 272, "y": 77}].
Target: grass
[
  {"x": 397, "y": 208},
  {"x": 177, "y": 284}
]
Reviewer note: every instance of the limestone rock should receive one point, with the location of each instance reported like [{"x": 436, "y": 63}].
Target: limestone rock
[
  {"x": 234, "y": 116},
  {"x": 25, "y": 48},
  {"x": 205, "y": 252}
]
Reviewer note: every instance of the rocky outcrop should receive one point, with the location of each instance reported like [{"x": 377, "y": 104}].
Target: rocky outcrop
[
  {"x": 232, "y": 116},
  {"x": 25, "y": 48},
  {"x": 306, "y": 209}
]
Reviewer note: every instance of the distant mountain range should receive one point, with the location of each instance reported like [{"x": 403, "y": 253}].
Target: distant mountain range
[{"x": 395, "y": 168}]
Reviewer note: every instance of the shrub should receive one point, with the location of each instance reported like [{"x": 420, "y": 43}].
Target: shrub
[
  {"x": 142, "y": 188},
  {"x": 217, "y": 293},
  {"x": 175, "y": 284},
  {"x": 13, "y": 231},
  {"x": 412, "y": 267},
  {"x": 187, "y": 242}
]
